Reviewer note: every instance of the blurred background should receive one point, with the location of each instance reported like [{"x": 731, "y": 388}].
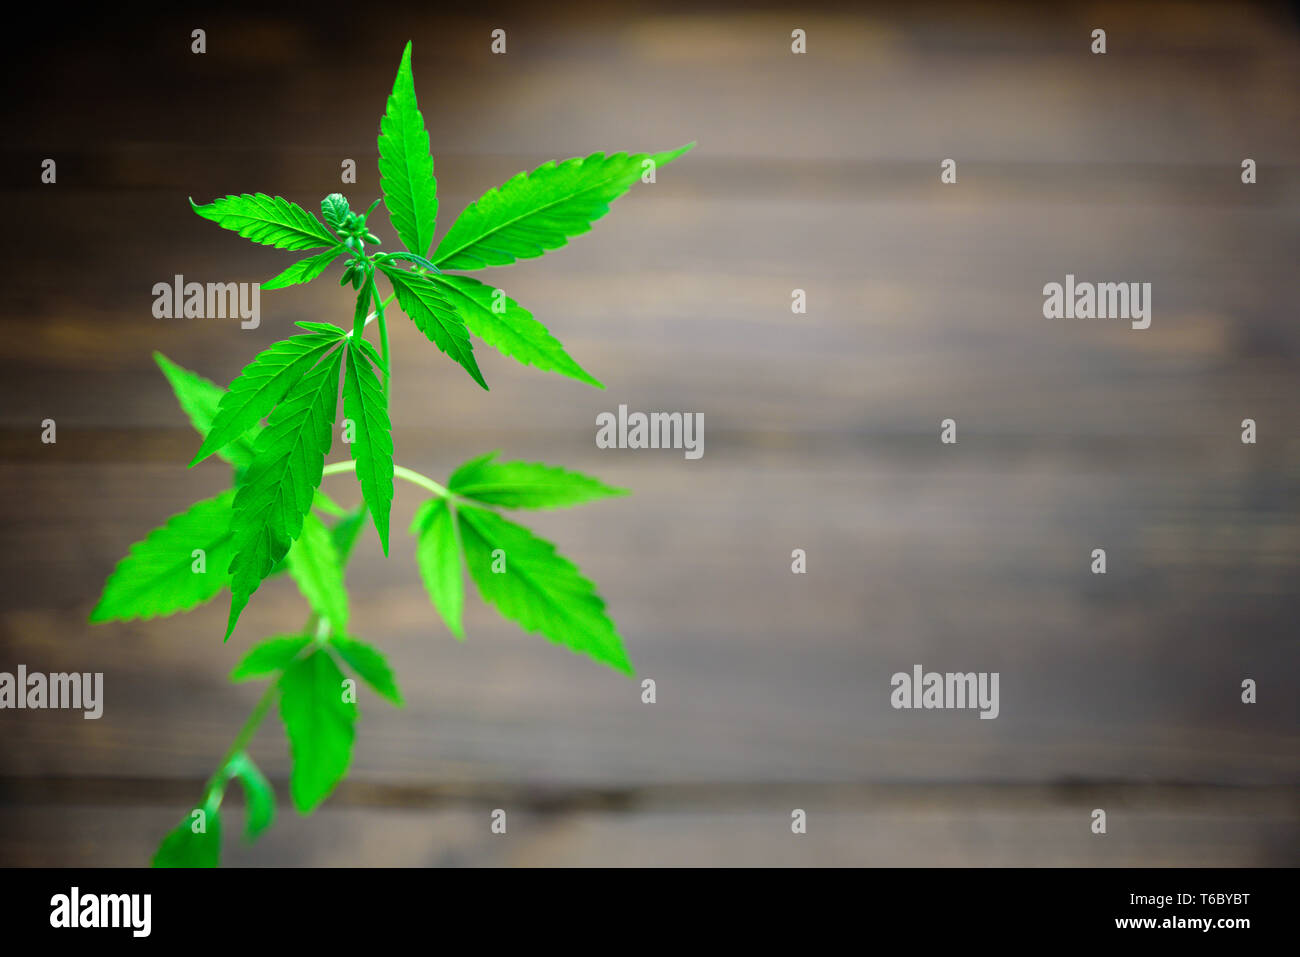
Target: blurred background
[{"x": 818, "y": 172}]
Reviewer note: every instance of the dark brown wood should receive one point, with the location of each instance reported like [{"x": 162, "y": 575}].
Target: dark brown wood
[{"x": 817, "y": 172}]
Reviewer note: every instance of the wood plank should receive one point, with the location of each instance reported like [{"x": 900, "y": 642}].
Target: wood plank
[
  {"x": 925, "y": 302},
  {"x": 905, "y": 828}
]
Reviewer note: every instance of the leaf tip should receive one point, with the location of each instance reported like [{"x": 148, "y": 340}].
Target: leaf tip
[
  {"x": 582, "y": 375},
  {"x": 236, "y": 608}
]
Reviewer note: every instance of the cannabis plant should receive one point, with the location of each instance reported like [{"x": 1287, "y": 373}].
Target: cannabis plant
[{"x": 275, "y": 517}]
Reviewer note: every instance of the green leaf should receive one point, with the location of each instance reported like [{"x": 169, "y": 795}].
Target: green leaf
[
  {"x": 183, "y": 848},
  {"x": 372, "y": 446},
  {"x": 405, "y": 166},
  {"x": 259, "y": 796},
  {"x": 320, "y": 726},
  {"x": 537, "y": 211},
  {"x": 370, "y": 664},
  {"x": 335, "y": 209},
  {"x": 280, "y": 484},
  {"x": 526, "y": 484},
  {"x": 269, "y": 657},
  {"x": 434, "y": 316},
  {"x": 304, "y": 270},
  {"x": 325, "y": 328},
  {"x": 314, "y": 564},
  {"x": 509, "y": 328},
  {"x": 157, "y": 577},
  {"x": 271, "y": 221},
  {"x": 199, "y": 398},
  {"x": 262, "y": 385},
  {"x": 345, "y": 532},
  {"x": 438, "y": 555},
  {"x": 537, "y": 587}
]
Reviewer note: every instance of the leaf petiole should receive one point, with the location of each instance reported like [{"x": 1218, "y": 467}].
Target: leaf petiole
[
  {"x": 374, "y": 315},
  {"x": 420, "y": 262},
  {"x": 410, "y": 475},
  {"x": 218, "y": 780},
  {"x": 217, "y": 783}
]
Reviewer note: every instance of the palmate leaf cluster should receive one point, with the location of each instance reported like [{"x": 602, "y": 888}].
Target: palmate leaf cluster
[{"x": 276, "y": 424}]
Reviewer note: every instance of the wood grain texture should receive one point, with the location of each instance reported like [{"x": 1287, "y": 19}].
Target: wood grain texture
[{"x": 816, "y": 172}]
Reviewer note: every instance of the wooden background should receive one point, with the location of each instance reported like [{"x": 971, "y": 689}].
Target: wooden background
[{"x": 819, "y": 172}]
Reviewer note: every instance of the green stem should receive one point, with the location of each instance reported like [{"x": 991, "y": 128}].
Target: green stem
[
  {"x": 215, "y": 787},
  {"x": 245, "y": 735},
  {"x": 216, "y": 784},
  {"x": 371, "y": 318},
  {"x": 410, "y": 475}
]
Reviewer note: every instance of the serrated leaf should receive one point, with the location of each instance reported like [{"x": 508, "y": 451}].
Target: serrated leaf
[
  {"x": 199, "y": 399},
  {"x": 434, "y": 316},
  {"x": 537, "y": 587},
  {"x": 538, "y": 211},
  {"x": 314, "y": 564},
  {"x": 370, "y": 664},
  {"x": 320, "y": 726},
  {"x": 280, "y": 484},
  {"x": 304, "y": 270},
  {"x": 269, "y": 657},
  {"x": 526, "y": 484},
  {"x": 512, "y": 331},
  {"x": 324, "y": 328},
  {"x": 438, "y": 555},
  {"x": 183, "y": 848},
  {"x": 372, "y": 446},
  {"x": 156, "y": 576},
  {"x": 263, "y": 384},
  {"x": 269, "y": 220},
  {"x": 335, "y": 209},
  {"x": 259, "y": 796},
  {"x": 405, "y": 165}
]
